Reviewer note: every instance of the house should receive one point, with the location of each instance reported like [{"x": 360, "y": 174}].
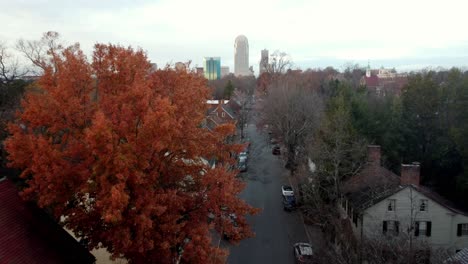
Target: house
[
  {"x": 219, "y": 113},
  {"x": 29, "y": 235},
  {"x": 378, "y": 203},
  {"x": 384, "y": 82}
]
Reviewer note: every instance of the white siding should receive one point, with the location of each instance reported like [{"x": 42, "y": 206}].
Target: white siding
[{"x": 443, "y": 221}]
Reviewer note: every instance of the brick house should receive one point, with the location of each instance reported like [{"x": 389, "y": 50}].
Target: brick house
[
  {"x": 379, "y": 203},
  {"x": 29, "y": 235},
  {"x": 219, "y": 113}
]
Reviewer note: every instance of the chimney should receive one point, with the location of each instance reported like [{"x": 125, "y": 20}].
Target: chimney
[
  {"x": 410, "y": 174},
  {"x": 373, "y": 154}
]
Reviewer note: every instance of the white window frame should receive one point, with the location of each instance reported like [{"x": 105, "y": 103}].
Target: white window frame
[
  {"x": 222, "y": 114},
  {"x": 422, "y": 231},
  {"x": 391, "y": 205},
  {"x": 423, "y": 203},
  {"x": 464, "y": 229}
]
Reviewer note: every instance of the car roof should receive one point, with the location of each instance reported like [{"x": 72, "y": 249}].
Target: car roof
[{"x": 304, "y": 248}]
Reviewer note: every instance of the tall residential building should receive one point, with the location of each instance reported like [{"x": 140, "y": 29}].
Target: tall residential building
[
  {"x": 241, "y": 56},
  {"x": 224, "y": 71},
  {"x": 212, "y": 67},
  {"x": 263, "y": 66}
]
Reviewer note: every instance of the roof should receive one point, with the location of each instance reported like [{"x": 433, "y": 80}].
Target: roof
[
  {"x": 372, "y": 81},
  {"x": 372, "y": 175},
  {"x": 228, "y": 110},
  {"x": 304, "y": 248},
  {"x": 461, "y": 257},
  {"x": 440, "y": 200},
  {"x": 29, "y": 235}
]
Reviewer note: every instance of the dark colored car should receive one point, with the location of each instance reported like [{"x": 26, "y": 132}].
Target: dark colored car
[
  {"x": 242, "y": 165},
  {"x": 289, "y": 203},
  {"x": 303, "y": 252},
  {"x": 276, "y": 150}
]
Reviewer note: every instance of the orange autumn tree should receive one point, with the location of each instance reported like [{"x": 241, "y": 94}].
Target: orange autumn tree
[{"x": 115, "y": 150}]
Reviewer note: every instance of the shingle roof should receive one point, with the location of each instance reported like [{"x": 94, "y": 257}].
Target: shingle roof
[
  {"x": 28, "y": 235},
  {"x": 228, "y": 110}
]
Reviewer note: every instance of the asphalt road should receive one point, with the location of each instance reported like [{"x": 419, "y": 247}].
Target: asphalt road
[{"x": 276, "y": 230}]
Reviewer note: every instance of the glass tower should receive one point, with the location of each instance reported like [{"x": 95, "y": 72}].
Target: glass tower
[{"x": 212, "y": 67}]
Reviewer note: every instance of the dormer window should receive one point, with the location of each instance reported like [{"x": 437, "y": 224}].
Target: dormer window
[
  {"x": 391, "y": 205},
  {"x": 423, "y": 205}
]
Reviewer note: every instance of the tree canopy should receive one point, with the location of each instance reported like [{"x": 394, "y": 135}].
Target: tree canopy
[{"x": 116, "y": 150}]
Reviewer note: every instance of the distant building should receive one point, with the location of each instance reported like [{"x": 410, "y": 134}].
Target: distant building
[
  {"x": 154, "y": 67},
  {"x": 200, "y": 71},
  {"x": 383, "y": 82},
  {"x": 241, "y": 56},
  {"x": 180, "y": 66},
  {"x": 224, "y": 71},
  {"x": 263, "y": 65},
  {"x": 212, "y": 68}
]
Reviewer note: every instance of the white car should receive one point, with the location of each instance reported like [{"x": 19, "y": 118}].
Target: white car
[
  {"x": 303, "y": 252},
  {"x": 287, "y": 190},
  {"x": 243, "y": 156}
]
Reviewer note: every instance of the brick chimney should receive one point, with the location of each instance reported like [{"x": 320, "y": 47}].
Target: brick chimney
[
  {"x": 373, "y": 154},
  {"x": 410, "y": 174}
]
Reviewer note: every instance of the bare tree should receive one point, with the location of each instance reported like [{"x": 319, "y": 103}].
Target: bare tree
[
  {"x": 337, "y": 150},
  {"x": 244, "y": 101},
  {"x": 10, "y": 69},
  {"x": 293, "y": 113},
  {"x": 42, "y": 53}
]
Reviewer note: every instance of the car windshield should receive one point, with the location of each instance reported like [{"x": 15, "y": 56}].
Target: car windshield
[
  {"x": 305, "y": 250},
  {"x": 287, "y": 188}
]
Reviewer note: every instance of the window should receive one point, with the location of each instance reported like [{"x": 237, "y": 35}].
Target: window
[
  {"x": 391, "y": 205},
  {"x": 222, "y": 114},
  {"x": 422, "y": 228},
  {"x": 423, "y": 205},
  {"x": 391, "y": 227},
  {"x": 462, "y": 229}
]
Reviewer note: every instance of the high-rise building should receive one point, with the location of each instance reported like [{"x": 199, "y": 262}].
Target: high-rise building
[
  {"x": 212, "y": 67},
  {"x": 241, "y": 56},
  {"x": 263, "y": 66},
  {"x": 180, "y": 66},
  {"x": 224, "y": 71}
]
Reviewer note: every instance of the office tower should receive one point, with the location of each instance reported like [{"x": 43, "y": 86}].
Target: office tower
[
  {"x": 241, "y": 56},
  {"x": 224, "y": 71},
  {"x": 212, "y": 67},
  {"x": 263, "y": 66}
]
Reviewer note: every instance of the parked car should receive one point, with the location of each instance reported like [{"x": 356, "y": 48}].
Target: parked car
[
  {"x": 273, "y": 141},
  {"x": 287, "y": 190},
  {"x": 276, "y": 150},
  {"x": 233, "y": 219},
  {"x": 289, "y": 203},
  {"x": 303, "y": 252},
  {"x": 242, "y": 165},
  {"x": 242, "y": 156}
]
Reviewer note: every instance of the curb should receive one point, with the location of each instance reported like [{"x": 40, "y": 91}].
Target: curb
[{"x": 300, "y": 213}]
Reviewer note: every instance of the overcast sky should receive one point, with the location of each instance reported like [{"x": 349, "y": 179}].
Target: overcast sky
[{"x": 405, "y": 34}]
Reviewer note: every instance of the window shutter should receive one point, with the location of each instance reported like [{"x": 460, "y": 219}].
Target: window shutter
[
  {"x": 384, "y": 227},
  {"x": 397, "y": 227},
  {"x": 416, "y": 228},
  {"x": 459, "y": 229},
  {"x": 428, "y": 230}
]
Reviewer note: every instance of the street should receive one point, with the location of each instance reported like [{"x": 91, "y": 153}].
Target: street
[{"x": 276, "y": 230}]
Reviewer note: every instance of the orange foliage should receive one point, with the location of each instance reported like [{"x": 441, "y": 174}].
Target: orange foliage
[{"x": 116, "y": 149}]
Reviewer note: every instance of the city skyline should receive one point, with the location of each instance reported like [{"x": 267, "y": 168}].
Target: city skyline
[{"x": 406, "y": 36}]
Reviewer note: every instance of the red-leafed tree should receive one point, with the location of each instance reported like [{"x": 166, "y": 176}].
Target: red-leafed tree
[{"x": 116, "y": 149}]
